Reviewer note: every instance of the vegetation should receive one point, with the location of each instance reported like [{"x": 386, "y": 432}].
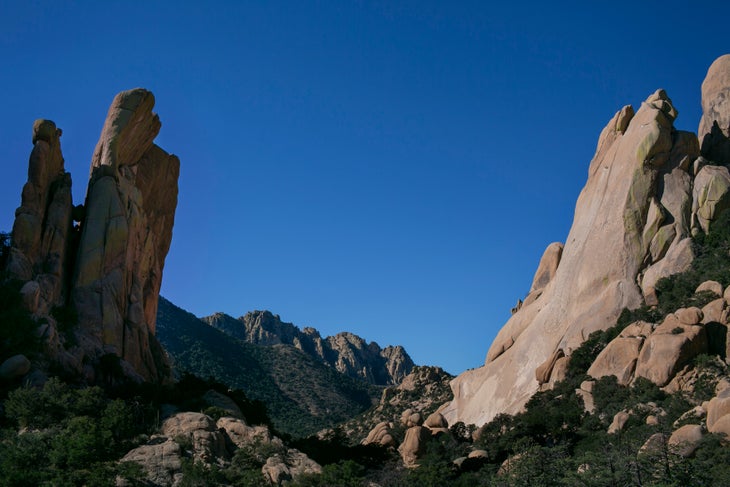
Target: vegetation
[
  {"x": 302, "y": 395},
  {"x": 59, "y": 435},
  {"x": 63, "y": 435}
]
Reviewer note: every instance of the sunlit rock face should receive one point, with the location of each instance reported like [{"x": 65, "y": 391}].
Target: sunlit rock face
[
  {"x": 648, "y": 190},
  {"x": 104, "y": 273},
  {"x": 130, "y": 211}
]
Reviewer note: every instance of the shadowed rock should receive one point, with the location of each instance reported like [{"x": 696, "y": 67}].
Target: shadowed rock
[{"x": 42, "y": 227}]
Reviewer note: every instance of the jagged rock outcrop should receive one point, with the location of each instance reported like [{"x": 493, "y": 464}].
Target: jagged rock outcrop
[
  {"x": 346, "y": 352},
  {"x": 632, "y": 226},
  {"x": 108, "y": 269},
  {"x": 201, "y": 439}
]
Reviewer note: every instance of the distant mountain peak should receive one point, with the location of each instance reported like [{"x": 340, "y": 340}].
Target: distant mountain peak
[{"x": 348, "y": 353}]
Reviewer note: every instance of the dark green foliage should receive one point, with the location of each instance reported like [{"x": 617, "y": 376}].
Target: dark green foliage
[
  {"x": 72, "y": 436},
  {"x": 17, "y": 329},
  {"x": 66, "y": 317},
  {"x": 344, "y": 474},
  {"x": 337, "y": 449}
]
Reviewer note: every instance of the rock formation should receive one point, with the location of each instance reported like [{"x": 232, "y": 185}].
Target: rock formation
[
  {"x": 108, "y": 269},
  {"x": 126, "y": 233},
  {"x": 201, "y": 439},
  {"x": 42, "y": 231},
  {"x": 648, "y": 191},
  {"x": 346, "y": 352}
]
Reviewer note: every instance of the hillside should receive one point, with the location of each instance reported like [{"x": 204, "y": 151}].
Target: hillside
[
  {"x": 345, "y": 352},
  {"x": 302, "y": 394}
]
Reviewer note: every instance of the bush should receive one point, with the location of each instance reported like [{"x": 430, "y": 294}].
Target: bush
[{"x": 17, "y": 330}]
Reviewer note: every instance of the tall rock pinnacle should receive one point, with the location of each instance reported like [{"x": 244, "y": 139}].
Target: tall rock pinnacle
[
  {"x": 109, "y": 268},
  {"x": 648, "y": 190},
  {"x": 130, "y": 211},
  {"x": 43, "y": 223}
]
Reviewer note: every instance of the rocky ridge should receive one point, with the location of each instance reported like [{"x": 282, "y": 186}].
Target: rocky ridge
[
  {"x": 345, "y": 352},
  {"x": 650, "y": 188},
  {"x": 102, "y": 274}
]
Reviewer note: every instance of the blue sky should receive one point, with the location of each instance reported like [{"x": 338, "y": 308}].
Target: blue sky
[{"x": 394, "y": 169}]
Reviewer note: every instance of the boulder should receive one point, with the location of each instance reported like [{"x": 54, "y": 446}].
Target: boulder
[
  {"x": 30, "y": 294},
  {"x": 618, "y": 359},
  {"x": 14, "y": 367},
  {"x": 618, "y": 423},
  {"x": 669, "y": 348},
  {"x": 411, "y": 418},
  {"x": 435, "y": 420},
  {"x": 413, "y": 445},
  {"x": 717, "y": 408},
  {"x": 685, "y": 440},
  {"x": 381, "y": 435},
  {"x": 712, "y": 286},
  {"x": 689, "y": 316},
  {"x": 281, "y": 468},
  {"x": 207, "y": 442},
  {"x": 160, "y": 458},
  {"x": 710, "y": 196},
  {"x": 243, "y": 435},
  {"x": 721, "y": 426},
  {"x": 714, "y": 311}
]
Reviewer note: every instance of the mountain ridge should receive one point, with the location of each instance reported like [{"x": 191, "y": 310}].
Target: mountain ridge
[{"x": 345, "y": 352}]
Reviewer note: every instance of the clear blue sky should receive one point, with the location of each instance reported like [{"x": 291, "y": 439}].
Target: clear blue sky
[{"x": 394, "y": 169}]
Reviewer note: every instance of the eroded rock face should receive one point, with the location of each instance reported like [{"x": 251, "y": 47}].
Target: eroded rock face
[
  {"x": 632, "y": 226},
  {"x": 109, "y": 267}
]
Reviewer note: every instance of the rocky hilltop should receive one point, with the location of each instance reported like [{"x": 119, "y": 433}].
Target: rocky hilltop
[
  {"x": 302, "y": 395},
  {"x": 650, "y": 188},
  {"x": 91, "y": 273},
  {"x": 345, "y": 352}
]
